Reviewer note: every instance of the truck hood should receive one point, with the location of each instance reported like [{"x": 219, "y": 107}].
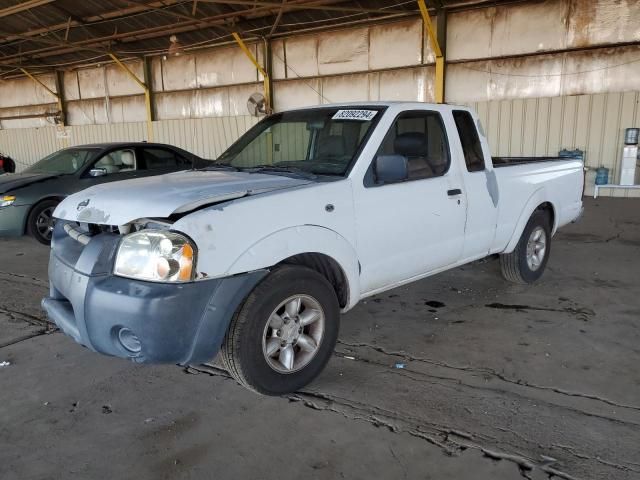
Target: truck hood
[
  {"x": 13, "y": 181},
  {"x": 119, "y": 203}
]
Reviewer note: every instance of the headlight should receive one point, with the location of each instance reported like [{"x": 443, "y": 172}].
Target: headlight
[
  {"x": 7, "y": 200},
  {"x": 156, "y": 256}
]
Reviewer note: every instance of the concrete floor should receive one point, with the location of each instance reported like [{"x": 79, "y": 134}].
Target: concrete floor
[{"x": 499, "y": 381}]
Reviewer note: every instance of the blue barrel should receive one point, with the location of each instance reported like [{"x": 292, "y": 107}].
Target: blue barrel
[
  {"x": 576, "y": 154},
  {"x": 602, "y": 176}
]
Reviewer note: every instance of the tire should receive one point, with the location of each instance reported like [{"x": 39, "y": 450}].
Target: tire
[
  {"x": 40, "y": 221},
  {"x": 518, "y": 266},
  {"x": 253, "y": 335}
]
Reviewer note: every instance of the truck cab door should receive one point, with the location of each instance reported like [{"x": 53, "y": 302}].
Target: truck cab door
[
  {"x": 481, "y": 186},
  {"x": 410, "y": 228}
]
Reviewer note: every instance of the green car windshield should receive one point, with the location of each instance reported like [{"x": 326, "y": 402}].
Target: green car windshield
[
  {"x": 63, "y": 162},
  {"x": 320, "y": 141}
]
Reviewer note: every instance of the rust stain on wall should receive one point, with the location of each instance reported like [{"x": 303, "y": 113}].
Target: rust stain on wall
[{"x": 580, "y": 18}]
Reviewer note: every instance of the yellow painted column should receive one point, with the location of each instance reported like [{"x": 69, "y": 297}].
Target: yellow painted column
[
  {"x": 439, "y": 81},
  {"x": 147, "y": 95},
  {"x": 265, "y": 74},
  {"x": 58, "y": 97}
]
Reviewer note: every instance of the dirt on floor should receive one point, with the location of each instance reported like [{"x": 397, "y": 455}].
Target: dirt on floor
[{"x": 461, "y": 375}]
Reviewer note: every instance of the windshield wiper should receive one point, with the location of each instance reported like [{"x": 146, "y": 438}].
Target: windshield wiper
[
  {"x": 221, "y": 166},
  {"x": 279, "y": 168}
]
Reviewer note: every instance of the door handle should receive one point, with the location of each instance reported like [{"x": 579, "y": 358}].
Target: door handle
[{"x": 454, "y": 192}]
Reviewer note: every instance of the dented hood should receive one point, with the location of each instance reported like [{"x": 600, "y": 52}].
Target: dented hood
[{"x": 119, "y": 203}]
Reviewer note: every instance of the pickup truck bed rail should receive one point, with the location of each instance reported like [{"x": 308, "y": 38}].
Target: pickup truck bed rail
[{"x": 508, "y": 161}]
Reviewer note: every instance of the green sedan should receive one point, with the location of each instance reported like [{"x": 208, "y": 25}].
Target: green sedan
[{"x": 28, "y": 199}]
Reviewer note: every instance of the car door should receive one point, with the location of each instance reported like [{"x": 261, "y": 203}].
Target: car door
[
  {"x": 411, "y": 228},
  {"x": 481, "y": 188}
]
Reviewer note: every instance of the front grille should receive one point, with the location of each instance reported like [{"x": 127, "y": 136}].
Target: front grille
[
  {"x": 72, "y": 239},
  {"x": 77, "y": 233},
  {"x": 82, "y": 232},
  {"x": 95, "y": 228}
]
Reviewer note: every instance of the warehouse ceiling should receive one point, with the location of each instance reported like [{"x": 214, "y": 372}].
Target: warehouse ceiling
[{"x": 47, "y": 34}]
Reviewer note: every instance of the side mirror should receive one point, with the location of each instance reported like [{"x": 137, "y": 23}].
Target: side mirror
[
  {"x": 391, "y": 169},
  {"x": 97, "y": 172}
]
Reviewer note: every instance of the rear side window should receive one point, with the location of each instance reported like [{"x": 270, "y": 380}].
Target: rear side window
[
  {"x": 159, "y": 158},
  {"x": 420, "y": 137},
  {"x": 471, "y": 146}
]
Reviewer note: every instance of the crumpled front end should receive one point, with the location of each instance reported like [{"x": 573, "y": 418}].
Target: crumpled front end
[{"x": 147, "y": 322}]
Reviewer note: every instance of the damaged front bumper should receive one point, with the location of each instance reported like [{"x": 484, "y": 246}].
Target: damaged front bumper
[{"x": 146, "y": 322}]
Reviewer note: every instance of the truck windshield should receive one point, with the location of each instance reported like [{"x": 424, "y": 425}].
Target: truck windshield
[
  {"x": 320, "y": 141},
  {"x": 63, "y": 162}
]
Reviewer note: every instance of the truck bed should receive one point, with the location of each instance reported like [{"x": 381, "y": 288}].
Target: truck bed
[
  {"x": 561, "y": 180},
  {"x": 510, "y": 161}
]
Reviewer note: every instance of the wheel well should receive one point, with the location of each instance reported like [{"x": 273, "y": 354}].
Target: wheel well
[
  {"x": 547, "y": 207},
  {"x": 328, "y": 268},
  {"x": 26, "y": 219}
]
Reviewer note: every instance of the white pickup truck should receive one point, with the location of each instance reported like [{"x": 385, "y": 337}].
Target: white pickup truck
[{"x": 308, "y": 213}]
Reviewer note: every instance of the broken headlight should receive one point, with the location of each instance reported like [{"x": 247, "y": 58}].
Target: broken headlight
[
  {"x": 157, "y": 256},
  {"x": 7, "y": 200}
]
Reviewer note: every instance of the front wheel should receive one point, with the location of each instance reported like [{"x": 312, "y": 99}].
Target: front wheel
[
  {"x": 284, "y": 334},
  {"x": 528, "y": 260},
  {"x": 40, "y": 221}
]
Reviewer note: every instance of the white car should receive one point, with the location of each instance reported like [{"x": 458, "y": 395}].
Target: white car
[{"x": 308, "y": 213}]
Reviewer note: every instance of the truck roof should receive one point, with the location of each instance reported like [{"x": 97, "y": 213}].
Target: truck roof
[
  {"x": 405, "y": 104},
  {"x": 105, "y": 145}
]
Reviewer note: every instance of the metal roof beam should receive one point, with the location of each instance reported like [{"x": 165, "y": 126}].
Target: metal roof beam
[
  {"x": 274, "y": 27},
  {"x": 152, "y": 32},
  {"x": 314, "y": 5},
  {"x": 88, "y": 21},
  {"x": 179, "y": 15},
  {"x": 21, "y": 7},
  {"x": 56, "y": 47},
  {"x": 85, "y": 45}
]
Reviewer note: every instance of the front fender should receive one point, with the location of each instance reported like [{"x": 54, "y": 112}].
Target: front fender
[
  {"x": 537, "y": 198},
  {"x": 285, "y": 243}
]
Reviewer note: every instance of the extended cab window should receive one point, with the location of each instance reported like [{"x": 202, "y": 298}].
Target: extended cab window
[
  {"x": 160, "y": 158},
  {"x": 470, "y": 141},
  {"x": 421, "y": 138}
]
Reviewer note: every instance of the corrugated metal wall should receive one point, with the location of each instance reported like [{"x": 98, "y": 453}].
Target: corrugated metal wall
[
  {"x": 207, "y": 137},
  {"x": 543, "y": 126}
]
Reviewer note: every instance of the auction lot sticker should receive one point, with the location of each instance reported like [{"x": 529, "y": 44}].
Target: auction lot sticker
[{"x": 361, "y": 115}]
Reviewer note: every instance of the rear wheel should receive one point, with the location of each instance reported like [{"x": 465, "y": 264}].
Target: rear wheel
[
  {"x": 40, "y": 221},
  {"x": 528, "y": 260},
  {"x": 284, "y": 334}
]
